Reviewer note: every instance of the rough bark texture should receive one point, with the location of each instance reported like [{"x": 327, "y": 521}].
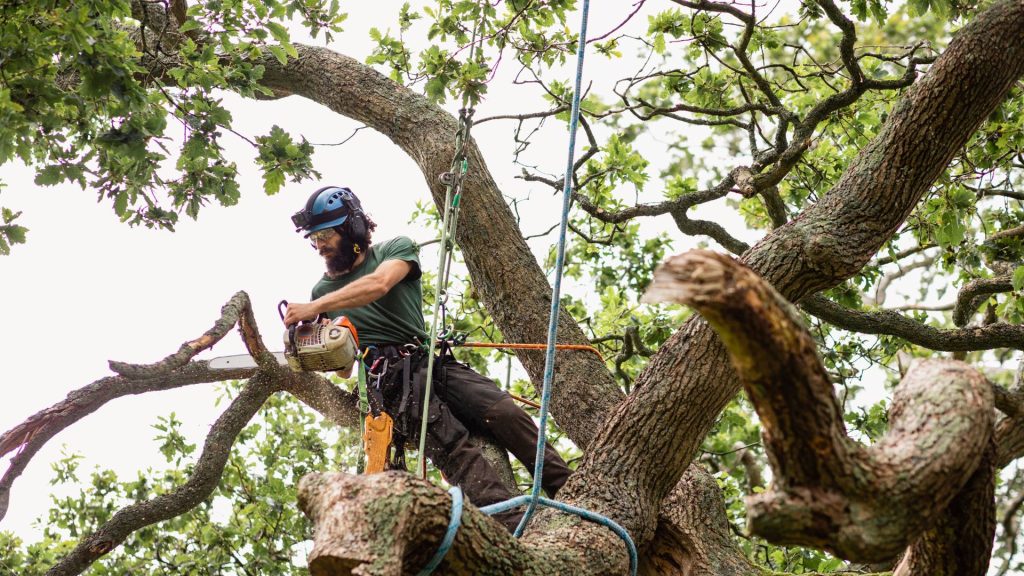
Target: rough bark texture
[
  {"x": 960, "y": 540},
  {"x": 392, "y": 523},
  {"x": 1010, "y": 440},
  {"x": 865, "y": 504},
  {"x": 693, "y": 535}
]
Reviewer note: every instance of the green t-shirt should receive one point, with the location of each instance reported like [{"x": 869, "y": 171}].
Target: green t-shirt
[{"x": 397, "y": 317}]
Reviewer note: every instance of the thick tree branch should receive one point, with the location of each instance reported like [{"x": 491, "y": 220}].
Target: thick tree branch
[
  {"x": 199, "y": 486},
  {"x": 392, "y": 523},
  {"x": 32, "y": 434},
  {"x": 824, "y": 483},
  {"x": 998, "y": 335}
]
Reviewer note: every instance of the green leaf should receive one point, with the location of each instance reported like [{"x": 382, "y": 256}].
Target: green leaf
[
  {"x": 279, "y": 32},
  {"x": 189, "y": 25},
  {"x": 121, "y": 203},
  {"x": 272, "y": 181},
  {"x": 48, "y": 176},
  {"x": 1018, "y": 278},
  {"x": 279, "y": 53},
  {"x": 16, "y": 234}
]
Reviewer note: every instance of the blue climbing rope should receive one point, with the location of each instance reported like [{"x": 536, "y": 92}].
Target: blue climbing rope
[
  {"x": 581, "y": 512},
  {"x": 454, "y": 521},
  {"x": 549, "y": 359},
  {"x": 534, "y": 499}
]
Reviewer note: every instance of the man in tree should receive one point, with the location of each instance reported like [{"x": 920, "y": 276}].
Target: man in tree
[{"x": 377, "y": 286}]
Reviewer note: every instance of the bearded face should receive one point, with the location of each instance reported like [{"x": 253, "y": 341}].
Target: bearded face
[{"x": 339, "y": 254}]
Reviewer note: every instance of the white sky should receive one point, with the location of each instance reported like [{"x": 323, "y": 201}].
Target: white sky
[{"x": 86, "y": 289}]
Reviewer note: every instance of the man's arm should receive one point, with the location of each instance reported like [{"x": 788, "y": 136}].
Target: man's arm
[{"x": 359, "y": 293}]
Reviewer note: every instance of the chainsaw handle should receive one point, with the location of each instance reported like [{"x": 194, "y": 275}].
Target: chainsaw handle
[{"x": 281, "y": 307}]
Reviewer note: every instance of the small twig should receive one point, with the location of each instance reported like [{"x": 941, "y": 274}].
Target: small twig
[{"x": 350, "y": 136}]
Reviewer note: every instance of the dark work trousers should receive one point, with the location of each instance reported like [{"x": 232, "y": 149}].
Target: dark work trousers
[{"x": 463, "y": 401}]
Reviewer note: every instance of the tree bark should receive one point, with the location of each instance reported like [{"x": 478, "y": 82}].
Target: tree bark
[
  {"x": 392, "y": 524},
  {"x": 693, "y": 535},
  {"x": 960, "y": 540},
  {"x": 863, "y": 503}
]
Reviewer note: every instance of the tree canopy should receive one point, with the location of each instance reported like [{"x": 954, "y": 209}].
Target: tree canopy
[{"x": 861, "y": 160}]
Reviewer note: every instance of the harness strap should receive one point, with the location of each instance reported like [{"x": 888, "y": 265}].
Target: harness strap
[{"x": 364, "y": 407}]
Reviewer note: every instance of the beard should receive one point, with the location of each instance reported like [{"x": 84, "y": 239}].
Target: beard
[{"x": 339, "y": 262}]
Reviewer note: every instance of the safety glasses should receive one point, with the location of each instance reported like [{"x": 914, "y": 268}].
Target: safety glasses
[{"x": 321, "y": 236}]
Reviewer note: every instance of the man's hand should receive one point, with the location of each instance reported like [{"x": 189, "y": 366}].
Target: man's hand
[{"x": 298, "y": 312}]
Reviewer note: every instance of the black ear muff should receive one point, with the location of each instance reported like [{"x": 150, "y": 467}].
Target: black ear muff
[
  {"x": 357, "y": 219},
  {"x": 357, "y": 227}
]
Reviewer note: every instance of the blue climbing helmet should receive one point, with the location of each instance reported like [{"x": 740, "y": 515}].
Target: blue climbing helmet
[{"x": 332, "y": 207}]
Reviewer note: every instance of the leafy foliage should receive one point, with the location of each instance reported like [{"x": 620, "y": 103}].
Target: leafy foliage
[
  {"x": 250, "y": 525},
  {"x": 82, "y": 99},
  {"x": 86, "y": 99}
]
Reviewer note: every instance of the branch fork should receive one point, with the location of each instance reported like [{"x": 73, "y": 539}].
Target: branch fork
[{"x": 863, "y": 503}]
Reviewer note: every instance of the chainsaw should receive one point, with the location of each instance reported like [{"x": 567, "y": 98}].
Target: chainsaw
[{"x": 318, "y": 346}]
